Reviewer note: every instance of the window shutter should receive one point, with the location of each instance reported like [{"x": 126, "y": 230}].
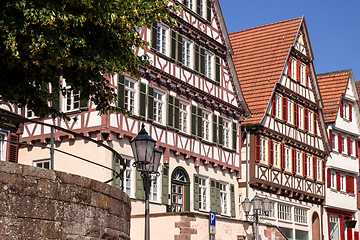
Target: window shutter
[
  {"x": 170, "y": 119},
  {"x": 217, "y": 69},
  {"x": 338, "y": 181},
  {"x": 351, "y": 184},
  {"x": 232, "y": 199},
  {"x": 341, "y": 109},
  {"x": 212, "y": 195},
  {"x": 356, "y": 235},
  {"x": 173, "y": 47},
  {"x": 349, "y": 233},
  {"x": 214, "y": 128},
  {"x": 305, "y": 164},
  {"x": 339, "y": 143},
  {"x": 350, "y": 112},
  {"x": 293, "y": 157},
  {"x": 307, "y": 76},
  {"x": 165, "y": 185},
  {"x": 150, "y": 103},
  {"x": 154, "y": 35},
  {"x": 347, "y": 184},
  {"x": 193, "y": 120},
  {"x": 116, "y": 167},
  {"x": 234, "y": 136},
  {"x": 348, "y": 145},
  {"x": 177, "y": 113},
  {"x": 199, "y": 122},
  {"x": 139, "y": 192},
  {"x": 273, "y": 106},
  {"x": 202, "y": 60},
  {"x": 220, "y": 133},
  {"x": 84, "y": 103},
  {"x": 13, "y": 148},
  {"x": 196, "y": 192},
  {"x": 198, "y": 6},
  {"x": 282, "y": 156},
  {"x": 208, "y": 10},
  {"x": 323, "y": 169},
  {"x": 271, "y": 152},
  {"x": 331, "y": 138},
  {"x": 357, "y": 148},
  {"x": 196, "y": 58},
  {"x": 298, "y": 70},
  {"x": 315, "y": 123},
  {"x": 314, "y": 168},
  {"x": 328, "y": 178},
  {"x": 218, "y": 206},
  {"x": 284, "y": 108},
  {"x": 296, "y": 114},
  {"x": 257, "y": 148},
  {"x": 306, "y": 119},
  {"x": 179, "y": 48},
  {"x": 289, "y": 67},
  {"x": 142, "y": 100}
]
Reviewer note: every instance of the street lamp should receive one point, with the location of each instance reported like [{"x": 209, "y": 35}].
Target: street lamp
[
  {"x": 256, "y": 204},
  {"x": 147, "y": 161}
]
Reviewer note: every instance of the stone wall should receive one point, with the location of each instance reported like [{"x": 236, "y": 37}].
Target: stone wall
[{"x": 37, "y": 203}]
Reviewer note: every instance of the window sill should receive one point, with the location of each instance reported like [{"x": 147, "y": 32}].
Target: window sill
[
  {"x": 73, "y": 111},
  {"x": 301, "y": 224},
  {"x": 157, "y": 124}
]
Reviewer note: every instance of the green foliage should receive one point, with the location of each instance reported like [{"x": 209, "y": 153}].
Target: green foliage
[{"x": 81, "y": 40}]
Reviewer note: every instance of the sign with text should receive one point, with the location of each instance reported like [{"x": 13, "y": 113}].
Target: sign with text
[{"x": 212, "y": 220}]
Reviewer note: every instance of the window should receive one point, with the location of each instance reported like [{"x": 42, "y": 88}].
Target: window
[
  {"x": 161, "y": 39},
  {"x": 206, "y": 125},
  {"x": 293, "y": 69},
  {"x": 342, "y": 182},
  {"x": 333, "y": 180},
  {"x": 183, "y": 117},
  {"x": 263, "y": 150},
  {"x": 343, "y": 144},
  {"x": 290, "y": 112},
  {"x": 223, "y": 198},
  {"x": 158, "y": 107},
  {"x": 333, "y": 140},
  {"x": 186, "y": 52},
  {"x": 334, "y": 227},
  {"x": 188, "y": 3},
  {"x": 346, "y": 110},
  {"x": 2, "y": 147},
  {"x": 301, "y": 117},
  {"x": 311, "y": 122},
  {"x": 130, "y": 95},
  {"x": 351, "y": 151},
  {"x": 208, "y": 64},
  {"x": 42, "y": 163},
  {"x": 179, "y": 190},
  {"x": 298, "y": 163},
  {"x": 303, "y": 74},
  {"x": 278, "y": 106},
  {"x": 318, "y": 169},
  {"x": 127, "y": 176},
  {"x": 200, "y": 7},
  {"x": 284, "y": 212},
  {"x": 226, "y": 133},
  {"x": 276, "y": 154},
  {"x": 300, "y": 215},
  {"x": 71, "y": 100},
  {"x": 287, "y": 159},
  {"x": 309, "y": 167},
  {"x": 153, "y": 195},
  {"x": 272, "y": 210},
  {"x": 202, "y": 193},
  {"x": 29, "y": 113}
]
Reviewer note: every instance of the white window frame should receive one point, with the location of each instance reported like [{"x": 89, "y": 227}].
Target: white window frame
[
  {"x": 301, "y": 117},
  {"x": 3, "y": 144},
  {"x": 276, "y": 154},
  {"x": 206, "y": 125},
  {"x": 346, "y": 110},
  {"x": 202, "y": 10},
  {"x": 303, "y": 74},
  {"x": 352, "y": 144},
  {"x": 203, "y": 193},
  {"x": 333, "y": 180},
  {"x": 287, "y": 156},
  {"x": 300, "y": 215},
  {"x": 284, "y": 212},
  {"x": 186, "y": 52},
  {"x": 162, "y": 39},
  {"x": 293, "y": 68},
  {"x": 209, "y": 63},
  {"x": 334, "y": 142},
  {"x": 263, "y": 150},
  {"x": 311, "y": 122},
  {"x": 224, "y": 198},
  {"x": 319, "y": 169},
  {"x": 226, "y": 133},
  {"x": 184, "y": 116},
  {"x": 154, "y": 194},
  {"x": 342, "y": 182},
  {"x": 278, "y": 106},
  {"x": 70, "y": 95},
  {"x": 343, "y": 145},
  {"x": 299, "y": 160},
  {"x": 290, "y": 110},
  {"x": 309, "y": 166},
  {"x": 128, "y": 177},
  {"x": 159, "y": 107},
  {"x": 42, "y": 163},
  {"x": 130, "y": 95},
  {"x": 190, "y": 4}
]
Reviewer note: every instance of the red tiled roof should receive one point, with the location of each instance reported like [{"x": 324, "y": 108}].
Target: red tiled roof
[
  {"x": 259, "y": 57},
  {"x": 332, "y": 86}
]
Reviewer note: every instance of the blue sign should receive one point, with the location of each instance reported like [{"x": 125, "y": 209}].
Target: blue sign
[{"x": 212, "y": 218}]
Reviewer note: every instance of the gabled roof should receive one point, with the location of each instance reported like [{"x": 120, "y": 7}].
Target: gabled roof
[
  {"x": 357, "y": 85},
  {"x": 332, "y": 86},
  {"x": 260, "y": 54}
]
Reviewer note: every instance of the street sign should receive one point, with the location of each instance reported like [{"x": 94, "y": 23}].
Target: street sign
[{"x": 212, "y": 220}]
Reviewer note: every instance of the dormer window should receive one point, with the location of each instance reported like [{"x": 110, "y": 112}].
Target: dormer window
[{"x": 346, "y": 110}]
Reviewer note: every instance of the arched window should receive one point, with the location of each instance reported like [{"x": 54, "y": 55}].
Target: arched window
[{"x": 180, "y": 190}]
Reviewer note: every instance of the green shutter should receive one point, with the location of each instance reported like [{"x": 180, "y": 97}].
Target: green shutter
[
  {"x": 173, "y": 47},
  {"x": 214, "y": 128},
  {"x": 234, "y": 136},
  {"x": 208, "y": 10},
  {"x": 142, "y": 100},
  {"x": 150, "y": 103},
  {"x": 165, "y": 185},
  {"x": 116, "y": 167},
  {"x": 217, "y": 69},
  {"x": 199, "y": 122},
  {"x": 177, "y": 113},
  {"x": 187, "y": 198},
  {"x": 193, "y": 120},
  {"x": 170, "y": 120},
  {"x": 202, "y": 60},
  {"x": 196, "y": 192},
  {"x": 217, "y": 198},
  {"x": 212, "y": 195},
  {"x": 154, "y": 35},
  {"x": 139, "y": 193},
  {"x": 221, "y": 132},
  {"x": 196, "y": 58},
  {"x": 179, "y": 48},
  {"x": 198, "y": 6},
  {"x": 232, "y": 200},
  {"x": 56, "y": 104},
  {"x": 121, "y": 91}
]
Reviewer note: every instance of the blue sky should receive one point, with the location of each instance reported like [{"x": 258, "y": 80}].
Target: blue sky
[{"x": 333, "y": 26}]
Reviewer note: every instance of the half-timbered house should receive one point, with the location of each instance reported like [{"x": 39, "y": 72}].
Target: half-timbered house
[
  {"x": 287, "y": 135},
  {"x": 341, "y": 113},
  {"x": 190, "y": 102}
]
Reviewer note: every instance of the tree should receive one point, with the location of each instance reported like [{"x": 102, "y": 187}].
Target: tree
[{"x": 80, "y": 40}]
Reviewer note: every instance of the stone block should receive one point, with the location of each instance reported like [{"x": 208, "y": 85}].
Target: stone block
[
  {"x": 38, "y": 173},
  {"x": 9, "y": 167},
  {"x": 182, "y": 224}
]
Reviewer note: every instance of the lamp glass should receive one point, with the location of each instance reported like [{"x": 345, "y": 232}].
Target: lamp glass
[
  {"x": 246, "y": 205},
  {"x": 256, "y": 202},
  {"x": 142, "y": 146},
  {"x": 156, "y": 160},
  {"x": 266, "y": 205}
]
